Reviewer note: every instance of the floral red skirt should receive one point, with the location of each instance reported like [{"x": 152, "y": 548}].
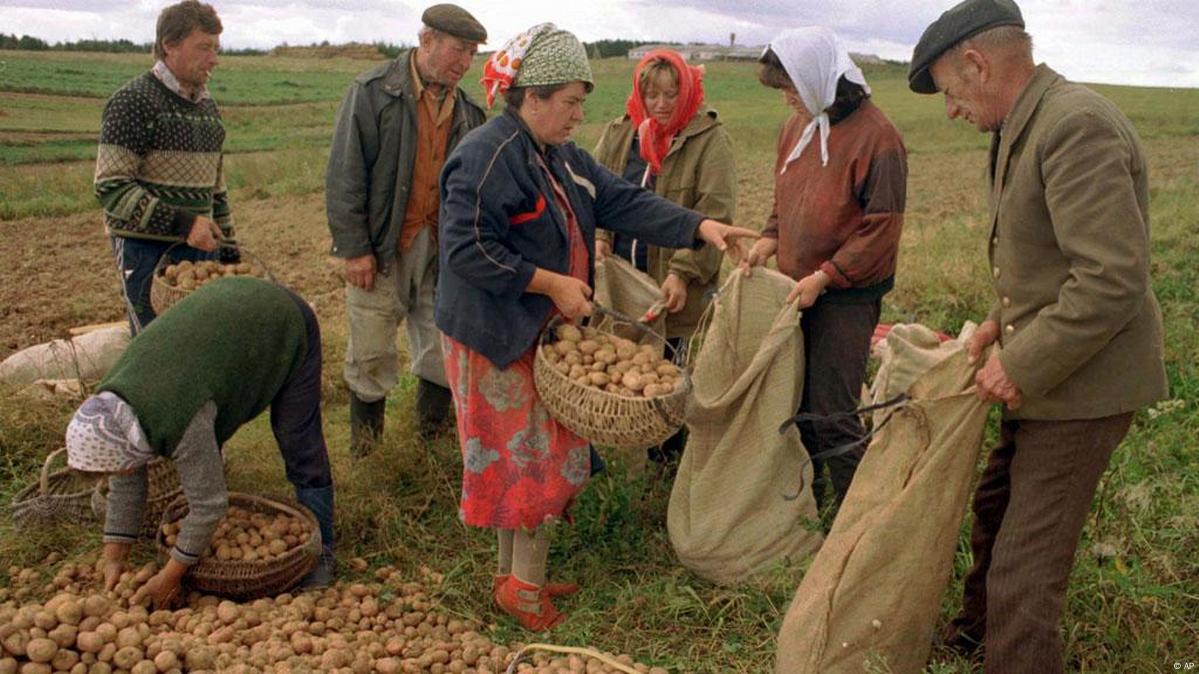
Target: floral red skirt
[{"x": 521, "y": 468}]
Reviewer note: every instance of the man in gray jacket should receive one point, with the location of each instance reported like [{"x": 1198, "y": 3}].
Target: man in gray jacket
[{"x": 396, "y": 125}]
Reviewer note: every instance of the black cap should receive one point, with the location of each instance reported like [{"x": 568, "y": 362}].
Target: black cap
[
  {"x": 453, "y": 20},
  {"x": 964, "y": 20}
]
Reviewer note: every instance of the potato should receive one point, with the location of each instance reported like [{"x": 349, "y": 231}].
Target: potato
[
  {"x": 41, "y": 650},
  {"x": 668, "y": 369},
  {"x": 652, "y": 390},
  {"x": 642, "y": 358},
  {"x": 605, "y": 356},
  {"x": 632, "y": 381},
  {"x": 574, "y": 358},
  {"x": 588, "y": 359},
  {"x": 565, "y": 346},
  {"x": 89, "y": 642},
  {"x": 569, "y": 333},
  {"x": 599, "y": 379},
  {"x": 615, "y": 377},
  {"x": 589, "y": 346}
]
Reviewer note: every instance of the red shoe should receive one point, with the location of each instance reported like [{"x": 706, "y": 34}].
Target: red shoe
[
  {"x": 552, "y": 589},
  {"x": 529, "y": 604}
]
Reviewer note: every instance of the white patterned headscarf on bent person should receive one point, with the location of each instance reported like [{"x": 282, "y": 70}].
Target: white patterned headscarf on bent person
[
  {"x": 105, "y": 436},
  {"x": 815, "y": 60}
]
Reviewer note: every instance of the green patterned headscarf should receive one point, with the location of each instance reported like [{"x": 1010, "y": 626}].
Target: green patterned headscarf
[{"x": 542, "y": 55}]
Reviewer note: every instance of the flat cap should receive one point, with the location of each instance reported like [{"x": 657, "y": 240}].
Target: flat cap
[
  {"x": 964, "y": 20},
  {"x": 453, "y": 20}
]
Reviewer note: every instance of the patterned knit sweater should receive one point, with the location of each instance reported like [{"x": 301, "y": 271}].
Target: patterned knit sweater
[{"x": 160, "y": 163}]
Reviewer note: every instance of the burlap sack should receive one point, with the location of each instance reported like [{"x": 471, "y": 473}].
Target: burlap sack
[
  {"x": 622, "y": 287},
  {"x": 871, "y": 598},
  {"x": 86, "y": 357},
  {"x": 730, "y": 514}
]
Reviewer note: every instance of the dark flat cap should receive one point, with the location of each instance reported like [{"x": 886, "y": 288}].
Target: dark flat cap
[
  {"x": 964, "y": 20},
  {"x": 455, "y": 21}
]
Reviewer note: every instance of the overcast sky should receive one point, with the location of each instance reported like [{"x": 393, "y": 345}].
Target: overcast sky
[{"x": 1146, "y": 42}]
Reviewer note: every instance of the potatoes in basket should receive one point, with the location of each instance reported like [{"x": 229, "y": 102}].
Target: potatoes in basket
[
  {"x": 188, "y": 275},
  {"x": 611, "y": 363},
  {"x": 247, "y": 535}
]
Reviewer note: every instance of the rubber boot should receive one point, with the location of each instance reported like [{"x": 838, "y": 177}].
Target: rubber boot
[
  {"x": 432, "y": 408},
  {"x": 320, "y": 501},
  {"x": 366, "y": 425}
]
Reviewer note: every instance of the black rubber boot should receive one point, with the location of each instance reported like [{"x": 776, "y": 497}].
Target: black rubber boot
[
  {"x": 366, "y": 425},
  {"x": 320, "y": 502},
  {"x": 432, "y": 408}
]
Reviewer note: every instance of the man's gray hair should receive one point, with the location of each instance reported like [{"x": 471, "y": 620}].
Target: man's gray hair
[{"x": 1012, "y": 39}]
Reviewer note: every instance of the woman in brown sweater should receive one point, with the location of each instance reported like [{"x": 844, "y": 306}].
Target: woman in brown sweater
[{"x": 840, "y": 184}]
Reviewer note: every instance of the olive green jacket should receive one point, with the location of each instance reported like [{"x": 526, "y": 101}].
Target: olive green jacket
[
  {"x": 1080, "y": 327},
  {"x": 699, "y": 173}
]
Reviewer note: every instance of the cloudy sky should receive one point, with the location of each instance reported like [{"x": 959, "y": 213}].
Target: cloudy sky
[{"x": 1146, "y": 42}]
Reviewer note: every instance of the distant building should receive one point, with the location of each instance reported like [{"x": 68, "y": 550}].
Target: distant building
[{"x": 716, "y": 52}]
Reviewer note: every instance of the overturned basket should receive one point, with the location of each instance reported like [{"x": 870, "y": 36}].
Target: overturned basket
[
  {"x": 161, "y": 490},
  {"x": 242, "y": 580},
  {"x": 605, "y": 418},
  {"x": 60, "y": 496},
  {"x": 164, "y": 293}
]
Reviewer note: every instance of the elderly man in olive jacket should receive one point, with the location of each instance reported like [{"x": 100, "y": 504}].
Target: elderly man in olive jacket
[
  {"x": 396, "y": 126},
  {"x": 1079, "y": 327}
]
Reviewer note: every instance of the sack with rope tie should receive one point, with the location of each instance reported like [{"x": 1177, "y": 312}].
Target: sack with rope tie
[{"x": 872, "y": 595}]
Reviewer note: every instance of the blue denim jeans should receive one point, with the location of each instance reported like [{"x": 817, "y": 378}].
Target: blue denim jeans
[{"x": 136, "y": 259}]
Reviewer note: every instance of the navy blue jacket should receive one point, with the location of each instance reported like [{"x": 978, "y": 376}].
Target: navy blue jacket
[{"x": 499, "y": 223}]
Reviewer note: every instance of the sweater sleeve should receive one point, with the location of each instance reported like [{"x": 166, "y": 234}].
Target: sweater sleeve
[
  {"x": 130, "y": 208},
  {"x": 125, "y": 507},
  {"x": 222, "y": 215},
  {"x": 202, "y": 476},
  {"x": 871, "y": 249}
]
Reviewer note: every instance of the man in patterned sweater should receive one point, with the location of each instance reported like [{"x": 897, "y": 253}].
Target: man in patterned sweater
[{"x": 159, "y": 170}]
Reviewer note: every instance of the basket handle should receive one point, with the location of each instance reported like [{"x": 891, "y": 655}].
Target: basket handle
[{"x": 44, "y": 481}]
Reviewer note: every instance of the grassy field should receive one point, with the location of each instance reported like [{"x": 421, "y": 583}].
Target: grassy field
[{"x": 1134, "y": 599}]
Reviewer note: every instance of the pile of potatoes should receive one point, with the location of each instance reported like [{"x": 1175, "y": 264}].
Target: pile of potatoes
[
  {"x": 246, "y": 535},
  {"x": 387, "y": 626},
  {"x": 188, "y": 275},
  {"x": 611, "y": 363}
]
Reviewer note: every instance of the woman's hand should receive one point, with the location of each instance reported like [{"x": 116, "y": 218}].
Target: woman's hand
[
  {"x": 112, "y": 563},
  {"x": 163, "y": 589},
  {"x": 570, "y": 295},
  {"x": 726, "y": 238},
  {"x": 808, "y": 289},
  {"x": 763, "y": 250},
  {"x": 674, "y": 291},
  {"x": 602, "y": 250}
]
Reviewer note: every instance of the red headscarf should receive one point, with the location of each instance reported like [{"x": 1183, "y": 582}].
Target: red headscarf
[{"x": 656, "y": 137}]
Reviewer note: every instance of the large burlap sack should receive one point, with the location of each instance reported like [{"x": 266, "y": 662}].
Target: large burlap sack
[
  {"x": 906, "y": 352},
  {"x": 86, "y": 357},
  {"x": 871, "y": 598},
  {"x": 623, "y": 288},
  {"x": 737, "y": 506}
]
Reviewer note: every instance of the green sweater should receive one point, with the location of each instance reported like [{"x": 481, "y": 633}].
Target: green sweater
[
  {"x": 234, "y": 341},
  {"x": 160, "y": 163}
]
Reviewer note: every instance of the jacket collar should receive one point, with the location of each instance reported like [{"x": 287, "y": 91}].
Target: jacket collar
[
  {"x": 1017, "y": 120},
  {"x": 398, "y": 80}
]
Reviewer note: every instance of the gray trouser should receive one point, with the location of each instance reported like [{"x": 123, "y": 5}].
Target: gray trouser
[{"x": 403, "y": 294}]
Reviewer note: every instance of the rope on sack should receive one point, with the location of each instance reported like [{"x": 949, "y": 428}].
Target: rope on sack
[
  {"x": 523, "y": 653},
  {"x": 896, "y": 403}
]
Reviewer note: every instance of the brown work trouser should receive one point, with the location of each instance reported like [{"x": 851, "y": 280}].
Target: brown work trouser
[{"x": 1029, "y": 510}]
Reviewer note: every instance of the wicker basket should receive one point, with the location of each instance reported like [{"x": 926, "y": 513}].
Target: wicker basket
[
  {"x": 243, "y": 580},
  {"x": 604, "y": 418},
  {"x": 162, "y": 489},
  {"x": 163, "y": 295},
  {"x": 62, "y": 495}
]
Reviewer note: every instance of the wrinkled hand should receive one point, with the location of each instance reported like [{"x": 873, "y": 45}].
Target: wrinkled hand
[
  {"x": 809, "y": 288},
  {"x": 763, "y": 250},
  {"x": 726, "y": 238},
  {"x": 994, "y": 386},
  {"x": 112, "y": 563},
  {"x": 360, "y": 272},
  {"x": 162, "y": 590},
  {"x": 571, "y": 296},
  {"x": 674, "y": 291},
  {"x": 984, "y": 336},
  {"x": 204, "y": 234},
  {"x": 602, "y": 250}
]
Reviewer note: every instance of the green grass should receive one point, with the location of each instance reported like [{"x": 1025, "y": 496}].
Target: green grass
[{"x": 1133, "y": 603}]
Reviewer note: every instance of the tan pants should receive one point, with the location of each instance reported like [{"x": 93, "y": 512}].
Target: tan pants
[
  {"x": 403, "y": 294},
  {"x": 1029, "y": 510}
]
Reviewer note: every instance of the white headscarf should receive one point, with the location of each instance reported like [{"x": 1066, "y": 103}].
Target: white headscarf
[
  {"x": 814, "y": 60},
  {"x": 105, "y": 436}
]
